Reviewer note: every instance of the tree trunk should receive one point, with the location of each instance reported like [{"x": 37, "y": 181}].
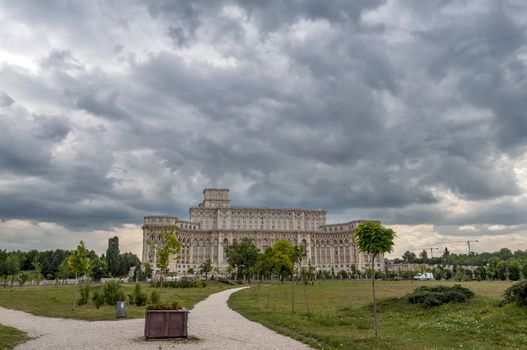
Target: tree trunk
[
  {"x": 305, "y": 298},
  {"x": 373, "y": 293},
  {"x": 268, "y": 294},
  {"x": 293, "y": 292},
  {"x": 12, "y": 279},
  {"x": 74, "y": 292}
]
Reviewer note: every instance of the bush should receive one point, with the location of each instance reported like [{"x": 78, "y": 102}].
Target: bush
[
  {"x": 139, "y": 298},
  {"x": 435, "y": 296},
  {"x": 84, "y": 295},
  {"x": 113, "y": 292},
  {"x": 182, "y": 284},
  {"x": 98, "y": 298},
  {"x": 517, "y": 294},
  {"x": 154, "y": 297},
  {"x": 175, "y": 305}
]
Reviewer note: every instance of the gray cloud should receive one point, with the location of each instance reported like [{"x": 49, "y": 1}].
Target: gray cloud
[
  {"x": 412, "y": 113},
  {"x": 5, "y": 100}
]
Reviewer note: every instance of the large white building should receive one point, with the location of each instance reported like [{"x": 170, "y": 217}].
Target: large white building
[{"x": 214, "y": 224}]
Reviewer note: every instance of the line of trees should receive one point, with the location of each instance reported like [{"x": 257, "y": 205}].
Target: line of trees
[
  {"x": 17, "y": 267},
  {"x": 472, "y": 259},
  {"x": 246, "y": 261},
  {"x": 500, "y": 265}
]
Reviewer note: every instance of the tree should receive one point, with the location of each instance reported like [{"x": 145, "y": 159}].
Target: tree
[
  {"x": 374, "y": 239},
  {"x": 64, "y": 271},
  {"x": 148, "y": 270},
  {"x": 98, "y": 269},
  {"x": 78, "y": 263},
  {"x": 480, "y": 274},
  {"x": 126, "y": 262},
  {"x": 409, "y": 256},
  {"x": 502, "y": 269},
  {"x": 9, "y": 265},
  {"x": 205, "y": 268},
  {"x": 264, "y": 263},
  {"x": 12, "y": 266},
  {"x": 242, "y": 256},
  {"x": 169, "y": 246},
  {"x": 297, "y": 254},
  {"x": 38, "y": 270},
  {"x": 113, "y": 257},
  {"x": 282, "y": 259},
  {"x": 423, "y": 255},
  {"x": 514, "y": 270}
]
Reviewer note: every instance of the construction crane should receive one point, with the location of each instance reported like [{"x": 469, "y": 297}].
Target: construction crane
[
  {"x": 431, "y": 251},
  {"x": 467, "y": 242}
]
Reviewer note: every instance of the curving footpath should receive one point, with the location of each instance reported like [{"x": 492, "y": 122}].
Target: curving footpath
[{"x": 211, "y": 320}]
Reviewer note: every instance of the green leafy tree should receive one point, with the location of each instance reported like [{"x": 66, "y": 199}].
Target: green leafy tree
[
  {"x": 169, "y": 246},
  {"x": 126, "y": 262},
  {"x": 409, "y": 257},
  {"x": 14, "y": 264},
  {"x": 205, "y": 268},
  {"x": 242, "y": 256},
  {"x": 22, "y": 278},
  {"x": 514, "y": 270},
  {"x": 98, "y": 268},
  {"x": 297, "y": 254},
  {"x": 148, "y": 270},
  {"x": 502, "y": 269},
  {"x": 37, "y": 268},
  {"x": 78, "y": 263},
  {"x": 282, "y": 258},
  {"x": 264, "y": 263},
  {"x": 64, "y": 271},
  {"x": 423, "y": 255},
  {"x": 374, "y": 240},
  {"x": 9, "y": 266},
  {"x": 480, "y": 274},
  {"x": 113, "y": 257}
]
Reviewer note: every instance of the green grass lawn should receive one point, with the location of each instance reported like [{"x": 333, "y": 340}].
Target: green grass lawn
[
  {"x": 11, "y": 337},
  {"x": 56, "y": 301},
  {"x": 341, "y": 316}
]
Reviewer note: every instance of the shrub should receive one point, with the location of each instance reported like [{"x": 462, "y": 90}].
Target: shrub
[
  {"x": 98, "y": 298},
  {"x": 84, "y": 292},
  {"x": 113, "y": 292},
  {"x": 139, "y": 298},
  {"x": 159, "y": 305},
  {"x": 517, "y": 294},
  {"x": 154, "y": 297},
  {"x": 182, "y": 284},
  {"x": 435, "y": 296}
]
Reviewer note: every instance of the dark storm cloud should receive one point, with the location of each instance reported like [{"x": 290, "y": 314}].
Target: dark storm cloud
[
  {"x": 483, "y": 51},
  {"x": 135, "y": 108}
]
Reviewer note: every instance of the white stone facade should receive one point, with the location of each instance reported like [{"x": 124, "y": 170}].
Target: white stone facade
[{"x": 214, "y": 224}]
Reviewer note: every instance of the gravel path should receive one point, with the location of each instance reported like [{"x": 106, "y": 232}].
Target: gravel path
[{"x": 211, "y": 320}]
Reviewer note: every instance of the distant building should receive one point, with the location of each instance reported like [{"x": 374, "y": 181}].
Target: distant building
[{"x": 214, "y": 224}]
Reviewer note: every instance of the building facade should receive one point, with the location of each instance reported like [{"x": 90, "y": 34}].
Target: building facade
[{"x": 214, "y": 224}]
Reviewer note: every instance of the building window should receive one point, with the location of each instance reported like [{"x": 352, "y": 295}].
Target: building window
[{"x": 195, "y": 251}]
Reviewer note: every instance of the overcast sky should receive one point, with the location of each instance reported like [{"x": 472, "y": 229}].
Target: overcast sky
[{"x": 410, "y": 112}]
